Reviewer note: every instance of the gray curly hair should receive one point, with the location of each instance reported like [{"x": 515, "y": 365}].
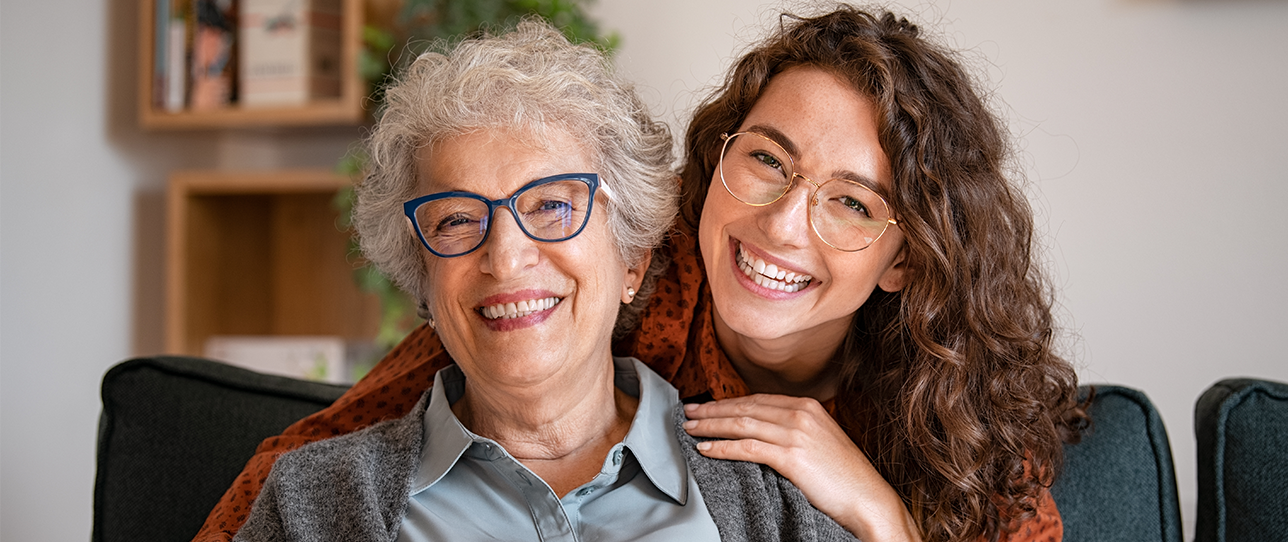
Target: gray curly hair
[{"x": 535, "y": 81}]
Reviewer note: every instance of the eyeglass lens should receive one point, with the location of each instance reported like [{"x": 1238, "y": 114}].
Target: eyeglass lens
[
  {"x": 845, "y": 214},
  {"x": 552, "y": 211}
]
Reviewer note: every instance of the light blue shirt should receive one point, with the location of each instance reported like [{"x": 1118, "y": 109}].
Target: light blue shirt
[{"x": 468, "y": 487}]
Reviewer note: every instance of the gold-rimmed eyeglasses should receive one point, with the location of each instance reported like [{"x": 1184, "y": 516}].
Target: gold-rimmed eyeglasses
[{"x": 845, "y": 214}]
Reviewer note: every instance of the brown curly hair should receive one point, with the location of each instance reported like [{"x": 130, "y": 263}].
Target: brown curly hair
[{"x": 950, "y": 386}]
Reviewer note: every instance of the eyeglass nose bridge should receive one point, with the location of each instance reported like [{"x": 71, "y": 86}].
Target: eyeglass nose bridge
[
  {"x": 807, "y": 179},
  {"x": 510, "y": 204},
  {"x": 813, "y": 195},
  {"x": 489, "y": 221}
]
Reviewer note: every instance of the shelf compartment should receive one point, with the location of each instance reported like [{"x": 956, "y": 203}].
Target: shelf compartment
[
  {"x": 346, "y": 110},
  {"x": 260, "y": 253}
]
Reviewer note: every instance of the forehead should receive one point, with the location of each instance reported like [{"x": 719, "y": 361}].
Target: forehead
[
  {"x": 495, "y": 162},
  {"x": 829, "y": 127}
]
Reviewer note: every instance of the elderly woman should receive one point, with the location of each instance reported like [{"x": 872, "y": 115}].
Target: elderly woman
[{"x": 516, "y": 190}]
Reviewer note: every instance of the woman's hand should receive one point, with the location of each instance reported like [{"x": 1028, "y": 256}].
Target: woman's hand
[{"x": 796, "y": 437}]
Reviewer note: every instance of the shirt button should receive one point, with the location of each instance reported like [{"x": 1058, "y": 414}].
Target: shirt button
[{"x": 585, "y": 491}]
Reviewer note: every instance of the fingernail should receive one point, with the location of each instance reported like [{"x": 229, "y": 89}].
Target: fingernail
[
  {"x": 690, "y": 424},
  {"x": 704, "y": 446},
  {"x": 690, "y": 407}
]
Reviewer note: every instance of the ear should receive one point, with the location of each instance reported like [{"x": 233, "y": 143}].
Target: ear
[
  {"x": 635, "y": 277},
  {"x": 896, "y": 274}
]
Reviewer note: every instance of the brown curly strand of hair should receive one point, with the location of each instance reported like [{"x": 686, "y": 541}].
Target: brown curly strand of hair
[{"x": 951, "y": 386}]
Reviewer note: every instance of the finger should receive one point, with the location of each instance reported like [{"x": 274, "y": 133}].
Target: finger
[
  {"x": 744, "y": 427},
  {"x": 810, "y": 421},
  {"x": 763, "y": 406},
  {"x": 766, "y": 399},
  {"x": 752, "y": 450}
]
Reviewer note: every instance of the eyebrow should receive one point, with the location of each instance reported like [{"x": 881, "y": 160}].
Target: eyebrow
[
  {"x": 786, "y": 143},
  {"x": 778, "y": 137}
]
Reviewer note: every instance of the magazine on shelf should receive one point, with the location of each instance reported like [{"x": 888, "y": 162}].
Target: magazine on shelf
[{"x": 290, "y": 51}]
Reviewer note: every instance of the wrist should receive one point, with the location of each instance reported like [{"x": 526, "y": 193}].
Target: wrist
[{"x": 888, "y": 523}]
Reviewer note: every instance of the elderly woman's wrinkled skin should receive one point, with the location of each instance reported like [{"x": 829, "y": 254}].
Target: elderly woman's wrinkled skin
[{"x": 541, "y": 385}]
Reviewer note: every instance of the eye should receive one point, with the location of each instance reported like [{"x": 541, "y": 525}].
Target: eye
[
  {"x": 553, "y": 205},
  {"x": 454, "y": 222},
  {"x": 768, "y": 159},
  {"x": 854, "y": 205}
]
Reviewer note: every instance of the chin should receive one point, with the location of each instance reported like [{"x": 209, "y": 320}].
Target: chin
[{"x": 747, "y": 321}]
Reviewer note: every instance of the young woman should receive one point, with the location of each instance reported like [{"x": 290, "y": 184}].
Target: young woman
[
  {"x": 851, "y": 245},
  {"x": 862, "y": 244}
]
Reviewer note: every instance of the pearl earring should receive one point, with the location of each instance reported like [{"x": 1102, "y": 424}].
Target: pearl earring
[
  {"x": 422, "y": 310},
  {"x": 630, "y": 293}
]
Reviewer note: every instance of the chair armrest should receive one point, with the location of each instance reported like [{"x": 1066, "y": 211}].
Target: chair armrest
[{"x": 175, "y": 432}]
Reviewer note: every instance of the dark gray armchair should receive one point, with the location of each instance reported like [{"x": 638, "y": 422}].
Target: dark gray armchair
[
  {"x": 1242, "y": 430},
  {"x": 1119, "y": 483},
  {"x": 173, "y": 435},
  {"x": 176, "y": 431}
]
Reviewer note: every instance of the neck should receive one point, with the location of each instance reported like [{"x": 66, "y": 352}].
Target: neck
[
  {"x": 799, "y": 364},
  {"x": 560, "y": 430}
]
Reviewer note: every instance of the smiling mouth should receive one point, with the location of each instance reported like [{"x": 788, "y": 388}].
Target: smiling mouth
[
  {"x": 769, "y": 275},
  {"x": 506, "y": 311}
]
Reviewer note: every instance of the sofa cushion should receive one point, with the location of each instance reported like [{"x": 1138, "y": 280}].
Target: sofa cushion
[
  {"x": 1242, "y": 430},
  {"x": 1118, "y": 484},
  {"x": 175, "y": 432}
]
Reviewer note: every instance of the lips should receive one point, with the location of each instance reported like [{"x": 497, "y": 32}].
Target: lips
[
  {"x": 519, "y": 309},
  {"x": 768, "y": 275}
]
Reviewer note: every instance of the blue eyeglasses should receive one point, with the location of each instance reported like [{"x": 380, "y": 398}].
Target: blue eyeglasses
[{"x": 550, "y": 210}]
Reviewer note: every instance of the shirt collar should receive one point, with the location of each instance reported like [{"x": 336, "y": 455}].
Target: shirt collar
[
  {"x": 651, "y": 438},
  {"x": 445, "y": 438}
]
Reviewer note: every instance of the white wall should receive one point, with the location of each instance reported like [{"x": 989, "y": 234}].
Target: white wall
[
  {"x": 1152, "y": 133},
  {"x": 1149, "y": 130},
  {"x": 81, "y": 235}
]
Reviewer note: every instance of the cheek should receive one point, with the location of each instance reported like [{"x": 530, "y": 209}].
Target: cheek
[
  {"x": 434, "y": 280},
  {"x": 714, "y": 218},
  {"x": 861, "y": 273}
]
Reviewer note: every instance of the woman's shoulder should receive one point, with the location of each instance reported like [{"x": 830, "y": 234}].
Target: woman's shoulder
[
  {"x": 355, "y": 454},
  {"x": 750, "y": 501}
]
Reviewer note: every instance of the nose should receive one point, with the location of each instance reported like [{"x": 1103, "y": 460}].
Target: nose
[
  {"x": 507, "y": 251},
  {"x": 786, "y": 221}
]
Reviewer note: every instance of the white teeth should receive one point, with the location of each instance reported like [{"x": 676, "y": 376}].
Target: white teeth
[
  {"x": 769, "y": 275},
  {"x": 518, "y": 310}
]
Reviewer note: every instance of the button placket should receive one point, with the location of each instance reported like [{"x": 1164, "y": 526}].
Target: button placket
[{"x": 549, "y": 516}]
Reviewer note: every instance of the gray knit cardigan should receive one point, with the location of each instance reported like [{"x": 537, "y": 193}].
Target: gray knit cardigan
[{"x": 355, "y": 488}]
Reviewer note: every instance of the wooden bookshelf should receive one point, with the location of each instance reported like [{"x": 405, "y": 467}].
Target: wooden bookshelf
[
  {"x": 260, "y": 253},
  {"x": 347, "y": 109}
]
